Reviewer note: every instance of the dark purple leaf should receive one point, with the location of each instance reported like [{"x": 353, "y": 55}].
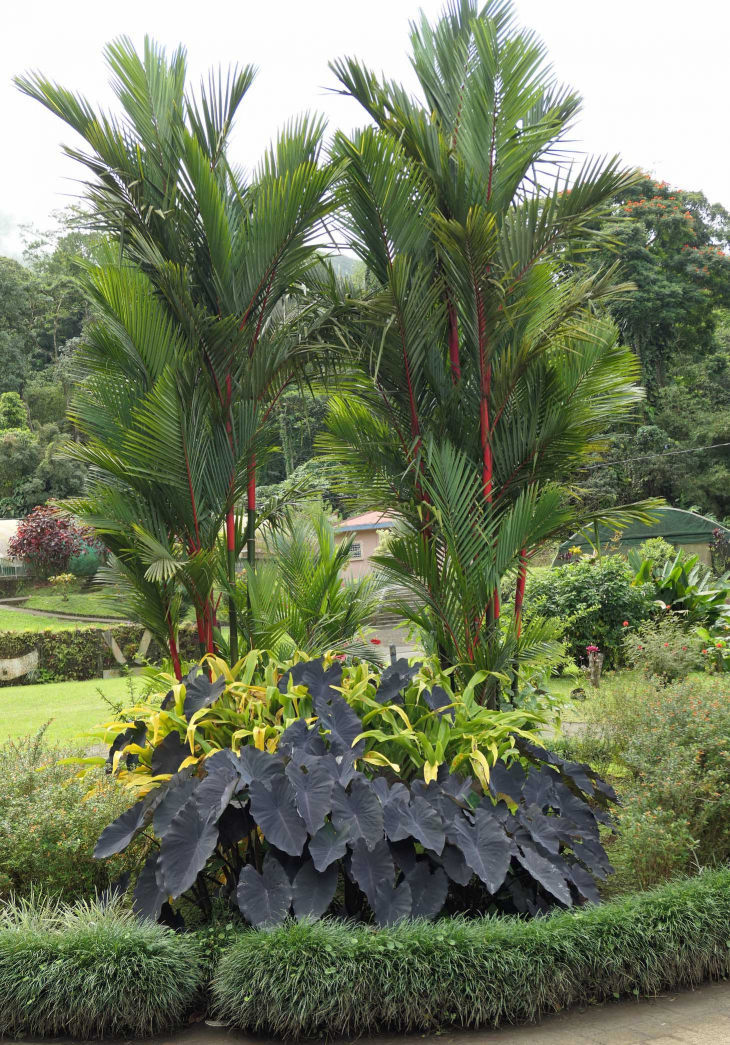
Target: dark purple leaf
[
  {"x": 169, "y": 755},
  {"x": 392, "y": 905},
  {"x": 172, "y": 803},
  {"x": 217, "y": 788},
  {"x": 253, "y": 764},
  {"x": 370, "y": 867},
  {"x": 314, "y": 890},
  {"x": 168, "y": 700},
  {"x": 300, "y": 737},
  {"x": 544, "y": 871},
  {"x": 328, "y": 845},
  {"x": 428, "y": 891},
  {"x": 313, "y": 793},
  {"x": 274, "y": 809},
  {"x": 188, "y": 844},
  {"x": 117, "y": 836},
  {"x": 541, "y": 828},
  {"x": 264, "y": 898},
  {"x": 507, "y": 781},
  {"x": 200, "y": 692},
  {"x": 149, "y": 894},
  {"x": 394, "y": 679},
  {"x": 439, "y": 700},
  {"x": 416, "y": 818},
  {"x": 485, "y": 846},
  {"x": 235, "y": 823},
  {"x": 342, "y": 723},
  {"x": 538, "y": 787},
  {"x": 404, "y": 854},
  {"x": 584, "y": 883},
  {"x": 453, "y": 862},
  {"x": 360, "y": 810},
  {"x": 295, "y": 673}
]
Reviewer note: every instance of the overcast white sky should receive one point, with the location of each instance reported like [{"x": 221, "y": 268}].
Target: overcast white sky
[{"x": 653, "y": 76}]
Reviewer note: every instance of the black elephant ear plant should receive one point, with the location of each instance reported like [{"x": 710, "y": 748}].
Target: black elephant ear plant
[{"x": 306, "y": 823}]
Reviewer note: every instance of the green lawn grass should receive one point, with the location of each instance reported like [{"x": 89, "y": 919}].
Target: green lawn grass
[
  {"x": 11, "y": 620},
  {"x": 72, "y": 707},
  {"x": 83, "y": 603}
]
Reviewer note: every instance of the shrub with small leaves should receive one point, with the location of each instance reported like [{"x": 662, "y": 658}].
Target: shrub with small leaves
[{"x": 663, "y": 648}]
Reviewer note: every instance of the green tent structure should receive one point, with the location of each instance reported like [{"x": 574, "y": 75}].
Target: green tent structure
[{"x": 686, "y": 530}]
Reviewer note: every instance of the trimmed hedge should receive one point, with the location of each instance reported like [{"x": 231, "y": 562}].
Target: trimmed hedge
[
  {"x": 92, "y": 971},
  {"x": 80, "y": 654},
  {"x": 333, "y": 979}
]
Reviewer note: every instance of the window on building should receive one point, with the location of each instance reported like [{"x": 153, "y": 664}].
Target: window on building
[{"x": 356, "y": 551}]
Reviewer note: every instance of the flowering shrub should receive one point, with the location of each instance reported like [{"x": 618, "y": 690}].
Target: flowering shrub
[
  {"x": 716, "y": 645},
  {"x": 46, "y": 540},
  {"x": 663, "y": 648},
  {"x": 63, "y": 581}
]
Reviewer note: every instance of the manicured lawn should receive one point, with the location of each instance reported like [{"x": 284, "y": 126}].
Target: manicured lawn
[
  {"x": 85, "y": 604},
  {"x": 73, "y": 707},
  {"x": 10, "y": 620}
]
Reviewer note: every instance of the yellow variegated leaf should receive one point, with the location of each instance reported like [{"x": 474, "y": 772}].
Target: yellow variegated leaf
[
  {"x": 259, "y": 737},
  {"x": 430, "y": 771},
  {"x": 376, "y": 758}
]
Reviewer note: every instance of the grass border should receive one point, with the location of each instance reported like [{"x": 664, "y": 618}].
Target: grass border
[
  {"x": 93, "y": 971},
  {"x": 334, "y": 979}
]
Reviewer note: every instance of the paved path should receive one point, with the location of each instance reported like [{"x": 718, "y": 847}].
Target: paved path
[{"x": 700, "y": 1017}]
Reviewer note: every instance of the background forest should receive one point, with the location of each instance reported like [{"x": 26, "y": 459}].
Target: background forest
[{"x": 669, "y": 242}]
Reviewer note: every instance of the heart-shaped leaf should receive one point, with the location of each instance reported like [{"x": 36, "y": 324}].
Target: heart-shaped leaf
[
  {"x": 314, "y": 890},
  {"x": 200, "y": 692},
  {"x": 394, "y": 679},
  {"x": 328, "y": 845},
  {"x": 428, "y": 891},
  {"x": 264, "y": 898},
  {"x": 169, "y": 755},
  {"x": 392, "y": 905},
  {"x": 485, "y": 846},
  {"x": 234, "y": 824},
  {"x": 274, "y": 809},
  {"x": 253, "y": 764},
  {"x": 360, "y": 810},
  {"x": 544, "y": 871},
  {"x": 342, "y": 723},
  {"x": 370, "y": 867},
  {"x": 313, "y": 792},
  {"x": 186, "y": 848}
]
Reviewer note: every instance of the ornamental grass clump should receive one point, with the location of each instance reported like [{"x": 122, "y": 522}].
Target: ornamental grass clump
[
  {"x": 329, "y": 978},
  {"x": 92, "y": 971}
]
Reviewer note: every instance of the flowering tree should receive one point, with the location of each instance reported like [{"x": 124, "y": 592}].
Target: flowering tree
[{"x": 46, "y": 540}]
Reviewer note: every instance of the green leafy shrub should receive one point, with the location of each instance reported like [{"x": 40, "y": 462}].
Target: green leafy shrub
[
  {"x": 92, "y": 971},
  {"x": 49, "y": 823},
  {"x": 593, "y": 597},
  {"x": 333, "y": 979},
  {"x": 684, "y": 585},
  {"x": 658, "y": 550},
  {"x": 281, "y": 787},
  {"x": 716, "y": 645},
  {"x": 663, "y": 648},
  {"x": 667, "y": 751}
]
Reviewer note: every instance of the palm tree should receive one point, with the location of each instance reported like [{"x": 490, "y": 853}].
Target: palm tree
[
  {"x": 202, "y": 321},
  {"x": 299, "y": 598},
  {"x": 488, "y": 374}
]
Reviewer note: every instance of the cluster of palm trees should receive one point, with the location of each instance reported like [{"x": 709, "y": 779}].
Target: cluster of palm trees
[{"x": 477, "y": 368}]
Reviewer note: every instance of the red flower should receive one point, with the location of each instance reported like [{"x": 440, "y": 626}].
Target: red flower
[
  {"x": 625, "y": 624},
  {"x": 666, "y": 644},
  {"x": 375, "y": 642}
]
